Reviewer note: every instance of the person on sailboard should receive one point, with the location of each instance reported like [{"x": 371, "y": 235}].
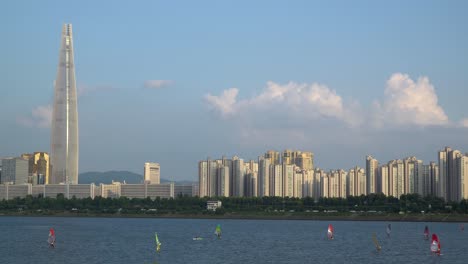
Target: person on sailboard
[
  {"x": 51, "y": 239},
  {"x": 435, "y": 245},
  {"x": 389, "y": 229},
  {"x": 330, "y": 232},
  {"x": 376, "y": 243},
  {"x": 158, "y": 244},
  {"x": 426, "y": 233},
  {"x": 218, "y": 231}
]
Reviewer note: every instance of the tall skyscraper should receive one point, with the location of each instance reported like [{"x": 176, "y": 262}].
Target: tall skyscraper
[
  {"x": 152, "y": 173},
  {"x": 64, "y": 131}
]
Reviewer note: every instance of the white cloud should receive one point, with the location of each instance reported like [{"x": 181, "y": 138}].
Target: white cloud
[
  {"x": 296, "y": 112},
  {"x": 293, "y": 100},
  {"x": 464, "y": 122},
  {"x": 409, "y": 103},
  {"x": 225, "y": 103},
  {"x": 156, "y": 84},
  {"x": 41, "y": 117}
]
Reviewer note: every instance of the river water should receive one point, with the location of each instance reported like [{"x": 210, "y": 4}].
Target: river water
[{"x": 131, "y": 240}]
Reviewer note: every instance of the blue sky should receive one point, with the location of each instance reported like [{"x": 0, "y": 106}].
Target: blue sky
[{"x": 177, "y": 81}]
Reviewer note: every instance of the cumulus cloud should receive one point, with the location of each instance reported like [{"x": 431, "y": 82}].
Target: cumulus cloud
[
  {"x": 409, "y": 102},
  {"x": 156, "y": 84},
  {"x": 297, "y": 112},
  {"x": 464, "y": 122},
  {"x": 293, "y": 100},
  {"x": 41, "y": 117},
  {"x": 225, "y": 103}
]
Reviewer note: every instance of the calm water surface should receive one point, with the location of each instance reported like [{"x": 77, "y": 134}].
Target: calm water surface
[{"x": 131, "y": 240}]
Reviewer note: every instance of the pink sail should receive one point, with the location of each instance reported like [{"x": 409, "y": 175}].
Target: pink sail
[
  {"x": 426, "y": 232},
  {"x": 51, "y": 239}
]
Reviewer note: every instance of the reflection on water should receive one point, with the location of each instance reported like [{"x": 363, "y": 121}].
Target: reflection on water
[{"x": 127, "y": 240}]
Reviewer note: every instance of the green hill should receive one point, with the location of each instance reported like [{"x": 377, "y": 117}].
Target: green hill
[
  {"x": 108, "y": 176},
  {"x": 120, "y": 176}
]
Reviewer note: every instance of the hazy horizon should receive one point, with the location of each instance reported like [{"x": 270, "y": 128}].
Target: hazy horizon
[{"x": 175, "y": 83}]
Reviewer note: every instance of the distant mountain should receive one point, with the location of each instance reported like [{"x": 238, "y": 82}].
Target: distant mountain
[
  {"x": 108, "y": 176},
  {"x": 120, "y": 176}
]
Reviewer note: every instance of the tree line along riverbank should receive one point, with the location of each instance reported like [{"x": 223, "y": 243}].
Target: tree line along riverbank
[{"x": 378, "y": 207}]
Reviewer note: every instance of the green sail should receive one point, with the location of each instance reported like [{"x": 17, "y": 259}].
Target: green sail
[
  {"x": 158, "y": 244},
  {"x": 218, "y": 230}
]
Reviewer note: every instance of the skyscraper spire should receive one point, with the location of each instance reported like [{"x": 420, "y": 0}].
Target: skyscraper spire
[{"x": 64, "y": 132}]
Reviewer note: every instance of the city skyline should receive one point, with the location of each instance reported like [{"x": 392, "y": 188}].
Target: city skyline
[
  {"x": 292, "y": 174},
  {"x": 181, "y": 82}
]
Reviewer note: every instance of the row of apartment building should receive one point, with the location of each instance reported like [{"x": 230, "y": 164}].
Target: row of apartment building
[
  {"x": 292, "y": 174},
  {"x": 114, "y": 190}
]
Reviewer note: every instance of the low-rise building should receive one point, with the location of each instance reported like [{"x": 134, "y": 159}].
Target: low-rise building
[{"x": 213, "y": 205}]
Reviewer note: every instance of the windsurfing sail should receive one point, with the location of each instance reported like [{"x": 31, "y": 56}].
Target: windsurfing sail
[
  {"x": 462, "y": 227},
  {"x": 51, "y": 239},
  {"x": 330, "y": 231},
  {"x": 389, "y": 229},
  {"x": 158, "y": 244},
  {"x": 218, "y": 231},
  {"x": 435, "y": 244},
  {"x": 426, "y": 233},
  {"x": 376, "y": 243}
]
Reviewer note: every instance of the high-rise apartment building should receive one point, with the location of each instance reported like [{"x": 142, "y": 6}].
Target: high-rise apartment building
[
  {"x": 288, "y": 180},
  {"x": 372, "y": 171},
  {"x": 383, "y": 180},
  {"x": 152, "y": 173},
  {"x": 223, "y": 181},
  {"x": 464, "y": 177},
  {"x": 356, "y": 182},
  {"x": 273, "y": 156},
  {"x": 239, "y": 176},
  {"x": 64, "y": 130},
  {"x": 304, "y": 160},
  {"x": 449, "y": 180},
  {"x": 263, "y": 177},
  {"x": 203, "y": 178}
]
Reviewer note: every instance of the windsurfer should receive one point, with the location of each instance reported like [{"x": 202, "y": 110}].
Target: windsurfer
[
  {"x": 51, "y": 239},
  {"x": 435, "y": 245}
]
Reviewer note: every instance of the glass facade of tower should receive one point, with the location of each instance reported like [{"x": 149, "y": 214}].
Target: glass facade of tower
[{"x": 64, "y": 132}]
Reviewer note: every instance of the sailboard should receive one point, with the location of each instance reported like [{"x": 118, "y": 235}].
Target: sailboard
[
  {"x": 197, "y": 238},
  {"x": 330, "y": 232},
  {"x": 218, "y": 231},
  {"x": 376, "y": 243},
  {"x": 389, "y": 229},
  {"x": 51, "y": 239},
  {"x": 158, "y": 244},
  {"x": 435, "y": 245},
  {"x": 426, "y": 233}
]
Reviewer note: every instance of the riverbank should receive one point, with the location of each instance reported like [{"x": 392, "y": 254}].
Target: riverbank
[{"x": 264, "y": 216}]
